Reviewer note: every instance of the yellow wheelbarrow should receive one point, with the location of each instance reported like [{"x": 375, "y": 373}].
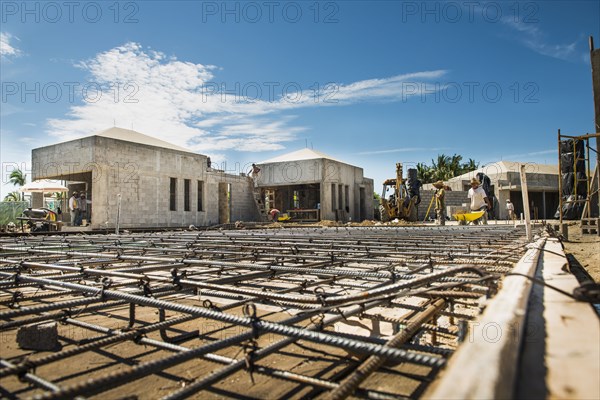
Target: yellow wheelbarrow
[
  {"x": 467, "y": 217},
  {"x": 284, "y": 218}
]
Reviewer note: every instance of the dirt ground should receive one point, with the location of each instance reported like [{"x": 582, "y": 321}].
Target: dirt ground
[
  {"x": 585, "y": 249},
  {"x": 324, "y": 362}
]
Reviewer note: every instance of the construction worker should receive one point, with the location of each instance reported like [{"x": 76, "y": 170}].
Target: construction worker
[
  {"x": 511, "y": 210},
  {"x": 254, "y": 172},
  {"x": 74, "y": 209},
  {"x": 440, "y": 203},
  {"x": 274, "y": 213},
  {"x": 479, "y": 200}
]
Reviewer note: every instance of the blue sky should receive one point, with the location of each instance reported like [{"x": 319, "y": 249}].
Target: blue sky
[{"x": 370, "y": 83}]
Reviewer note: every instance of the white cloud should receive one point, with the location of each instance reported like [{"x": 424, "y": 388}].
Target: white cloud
[
  {"x": 179, "y": 102},
  {"x": 532, "y": 153},
  {"x": 6, "y": 49},
  {"x": 532, "y": 37},
  {"x": 401, "y": 150}
]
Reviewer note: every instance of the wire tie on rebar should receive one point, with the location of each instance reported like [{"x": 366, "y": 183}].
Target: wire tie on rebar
[
  {"x": 25, "y": 367},
  {"x": 66, "y": 314},
  {"x": 15, "y": 300},
  {"x": 145, "y": 285},
  {"x": 140, "y": 334},
  {"x": 176, "y": 278},
  {"x": 249, "y": 311},
  {"x": 317, "y": 320},
  {"x": 210, "y": 305},
  {"x": 249, "y": 358},
  {"x": 339, "y": 310}
]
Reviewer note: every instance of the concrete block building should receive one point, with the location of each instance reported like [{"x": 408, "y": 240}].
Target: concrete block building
[
  {"x": 310, "y": 185},
  {"x": 542, "y": 184},
  {"x": 156, "y": 183}
]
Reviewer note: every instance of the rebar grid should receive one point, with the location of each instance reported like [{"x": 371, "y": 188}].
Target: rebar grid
[{"x": 359, "y": 305}]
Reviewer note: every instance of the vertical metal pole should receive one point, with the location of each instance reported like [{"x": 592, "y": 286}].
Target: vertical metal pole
[
  {"x": 588, "y": 179},
  {"x": 525, "y": 202},
  {"x": 595, "y": 64},
  {"x": 560, "y": 197},
  {"x": 118, "y": 214}
]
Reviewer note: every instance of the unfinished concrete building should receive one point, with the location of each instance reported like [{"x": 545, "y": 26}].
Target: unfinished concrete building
[
  {"x": 542, "y": 183},
  {"x": 311, "y": 186},
  {"x": 156, "y": 183}
]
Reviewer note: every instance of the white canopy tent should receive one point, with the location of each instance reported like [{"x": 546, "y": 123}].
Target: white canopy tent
[{"x": 43, "y": 186}]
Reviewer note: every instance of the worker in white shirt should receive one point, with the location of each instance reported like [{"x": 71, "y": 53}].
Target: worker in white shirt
[
  {"x": 479, "y": 200},
  {"x": 74, "y": 208},
  {"x": 510, "y": 207}
]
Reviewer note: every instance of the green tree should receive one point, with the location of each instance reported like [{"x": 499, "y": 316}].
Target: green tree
[
  {"x": 445, "y": 167},
  {"x": 423, "y": 173},
  {"x": 440, "y": 168},
  {"x": 18, "y": 178},
  {"x": 469, "y": 166},
  {"x": 13, "y": 196},
  {"x": 376, "y": 200}
]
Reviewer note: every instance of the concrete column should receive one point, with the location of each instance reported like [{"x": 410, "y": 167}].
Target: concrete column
[
  {"x": 37, "y": 200},
  {"x": 502, "y": 195},
  {"x": 543, "y": 204}
]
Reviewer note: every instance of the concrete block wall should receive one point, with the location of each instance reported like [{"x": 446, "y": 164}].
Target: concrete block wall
[
  {"x": 243, "y": 205},
  {"x": 141, "y": 175},
  {"x": 453, "y": 198},
  {"x": 337, "y": 173},
  {"x": 325, "y": 172}
]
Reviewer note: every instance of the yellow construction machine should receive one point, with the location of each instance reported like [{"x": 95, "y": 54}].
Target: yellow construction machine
[{"x": 402, "y": 202}]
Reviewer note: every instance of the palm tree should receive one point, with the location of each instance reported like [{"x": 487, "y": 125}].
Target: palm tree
[
  {"x": 424, "y": 173},
  {"x": 18, "y": 178},
  {"x": 440, "y": 168},
  {"x": 469, "y": 166},
  {"x": 13, "y": 196},
  {"x": 455, "y": 166}
]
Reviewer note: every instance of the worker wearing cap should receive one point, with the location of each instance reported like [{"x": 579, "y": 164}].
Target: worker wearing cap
[
  {"x": 274, "y": 213},
  {"x": 440, "y": 203},
  {"x": 511, "y": 210},
  {"x": 479, "y": 200},
  {"x": 74, "y": 209}
]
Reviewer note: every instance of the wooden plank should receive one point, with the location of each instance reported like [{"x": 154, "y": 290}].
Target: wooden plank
[
  {"x": 572, "y": 334},
  {"x": 484, "y": 366}
]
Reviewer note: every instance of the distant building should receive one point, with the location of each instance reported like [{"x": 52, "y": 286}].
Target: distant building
[
  {"x": 542, "y": 183},
  {"x": 159, "y": 184},
  {"x": 310, "y": 185}
]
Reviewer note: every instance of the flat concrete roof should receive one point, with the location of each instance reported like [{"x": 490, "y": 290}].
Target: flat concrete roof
[{"x": 303, "y": 154}]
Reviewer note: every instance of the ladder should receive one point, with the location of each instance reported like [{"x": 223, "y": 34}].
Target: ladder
[{"x": 260, "y": 205}]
